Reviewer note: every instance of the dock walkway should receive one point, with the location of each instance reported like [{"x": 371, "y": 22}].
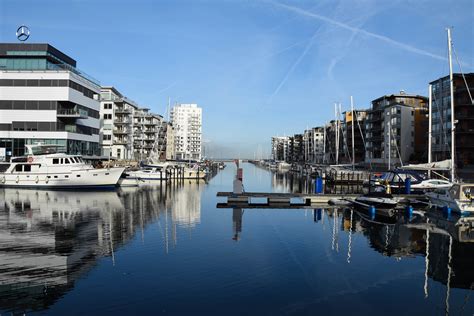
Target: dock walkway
[{"x": 293, "y": 200}]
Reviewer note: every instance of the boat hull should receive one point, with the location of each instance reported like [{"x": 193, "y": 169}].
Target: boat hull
[
  {"x": 442, "y": 201},
  {"x": 80, "y": 178}
]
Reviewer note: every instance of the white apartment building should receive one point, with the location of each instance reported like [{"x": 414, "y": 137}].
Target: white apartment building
[
  {"x": 280, "y": 148},
  {"x": 116, "y": 130},
  {"x": 187, "y": 121},
  {"x": 313, "y": 140},
  {"x": 128, "y": 131},
  {"x": 45, "y": 99}
]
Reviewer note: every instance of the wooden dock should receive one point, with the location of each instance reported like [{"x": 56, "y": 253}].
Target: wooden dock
[{"x": 292, "y": 200}]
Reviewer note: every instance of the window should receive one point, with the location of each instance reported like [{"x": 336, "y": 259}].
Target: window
[
  {"x": 27, "y": 168},
  {"x": 66, "y": 160},
  {"x": 78, "y": 175},
  {"x": 19, "y": 168},
  {"x": 55, "y": 161}
]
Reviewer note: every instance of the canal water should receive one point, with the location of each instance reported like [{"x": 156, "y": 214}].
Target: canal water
[{"x": 168, "y": 250}]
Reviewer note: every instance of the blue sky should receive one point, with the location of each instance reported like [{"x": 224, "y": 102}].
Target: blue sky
[{"x": 257, "y": 68}]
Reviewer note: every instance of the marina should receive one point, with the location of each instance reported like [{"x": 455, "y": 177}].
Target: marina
[
  {"x": 237, "y": 158},
  {"x": 143, "y": 249}
]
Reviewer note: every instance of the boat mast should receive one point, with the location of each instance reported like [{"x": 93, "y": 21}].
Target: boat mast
[
  {"x": 324, "y": 143},
  {"x": 453, "y": 148},
  {"x": 352, "y": 123},
  {"x": 336, "y": 133},
  {"x": 430, "y": 102},
  {"x": 389, "y": 143}
]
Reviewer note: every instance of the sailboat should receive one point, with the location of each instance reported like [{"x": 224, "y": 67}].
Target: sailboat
[{"x": 460, "y": 197}]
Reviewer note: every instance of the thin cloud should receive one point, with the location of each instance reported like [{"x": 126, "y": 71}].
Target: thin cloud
[{"x": 383, "y": 38}]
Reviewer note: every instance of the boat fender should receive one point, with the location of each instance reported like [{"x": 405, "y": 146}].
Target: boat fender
[
  {"x": 17, "y": 179},
  {"x": 46, "y": 180},
  {"x": 4, "y": 179}
]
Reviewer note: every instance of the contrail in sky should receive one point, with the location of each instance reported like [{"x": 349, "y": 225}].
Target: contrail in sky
[
  {"x": 359, "y": 30},
  {"x": 167, "y": 87},
  {"x": 308, "y": 46}
]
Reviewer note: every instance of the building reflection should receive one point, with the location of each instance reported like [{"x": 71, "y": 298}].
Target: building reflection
[
  {"x": 237, "y": 214},
  {"x": 296, "y": 183},
  {"x": 447, "y": 245},
  {"x": 291, "y": 182},
  {"x": 48, "y": 239}
]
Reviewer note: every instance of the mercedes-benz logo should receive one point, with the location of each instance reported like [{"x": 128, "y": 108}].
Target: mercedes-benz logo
[{"x": 23, "y": 33}]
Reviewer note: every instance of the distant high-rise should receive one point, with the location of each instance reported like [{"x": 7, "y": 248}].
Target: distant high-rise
[{"x": 187, "y": 121}]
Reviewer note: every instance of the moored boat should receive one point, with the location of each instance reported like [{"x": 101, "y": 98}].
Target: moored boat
[
  {"x": 459, "y": 198},
  {"x": 44, "y": 167},
  {"x": 377, "y": 199}
]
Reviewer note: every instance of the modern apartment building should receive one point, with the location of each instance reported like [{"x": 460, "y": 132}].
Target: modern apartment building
[
  {"x": 335, "y": 153},
  {"x": 116, "y": 128},
  {"x": 297, "y": 148},
  {"x": 313, "y": 140},
  {"x": 280, "y": 146},
  {"x": 187, "y": 121},
  {"x": 463, "y": 114},
  {"x": 391, "y": 126},
  {"x": 128, "y": 131},
  {"x": 149, "y": 131},
  {"x": 45, "y": 99},
  {"x": 359, "y": 132}
]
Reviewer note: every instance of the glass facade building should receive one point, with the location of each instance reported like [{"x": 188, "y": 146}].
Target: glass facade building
[{"x": 45, "y": 99}]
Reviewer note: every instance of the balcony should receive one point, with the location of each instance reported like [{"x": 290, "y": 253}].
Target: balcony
[
  {"x": 71, "y": 114},
  {"x": 121, "y": 141},
  {"x": 121, "y": 121},
  {"x": 121, "y": 131},
  {"x": 150, "y": 131},
  {"x": 122, "y": 111}
]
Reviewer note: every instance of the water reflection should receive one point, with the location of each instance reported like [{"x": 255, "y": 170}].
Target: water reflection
[
  {"x": 296, "y": 183},
  {"x": 447, "y": 244},
  {"x": 49, "y": 239}
]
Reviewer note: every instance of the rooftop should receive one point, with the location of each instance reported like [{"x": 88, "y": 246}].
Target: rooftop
[{"x": 37, "y": 56}]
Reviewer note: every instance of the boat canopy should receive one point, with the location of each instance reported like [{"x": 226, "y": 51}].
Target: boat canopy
[{"x": 443, "y": 165}]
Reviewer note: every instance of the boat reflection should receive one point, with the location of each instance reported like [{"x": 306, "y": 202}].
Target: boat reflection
[
  {"x": 446, "y": 243},
  {"x": 49, "y": 239}
]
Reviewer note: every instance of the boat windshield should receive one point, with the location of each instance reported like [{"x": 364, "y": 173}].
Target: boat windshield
[{"x": 44, "y": 149}]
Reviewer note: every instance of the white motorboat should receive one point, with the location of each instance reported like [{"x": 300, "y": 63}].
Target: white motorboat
[
  {"x": 44, "y": 167},
  {"x": 147, "y": 175},
  {"x": 377, "y": 200},
  {"x": 459, "y": 198},
  {"x": 194, "y": 173},
  {"x": 431, "y": 184},
  {"x": 418, "y": 182}
]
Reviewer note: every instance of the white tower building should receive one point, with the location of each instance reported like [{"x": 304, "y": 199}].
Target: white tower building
[{"x": 187, "y": 121}]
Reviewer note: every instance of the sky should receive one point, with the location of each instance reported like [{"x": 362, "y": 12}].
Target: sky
[{"x": 258, "y": 68}]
